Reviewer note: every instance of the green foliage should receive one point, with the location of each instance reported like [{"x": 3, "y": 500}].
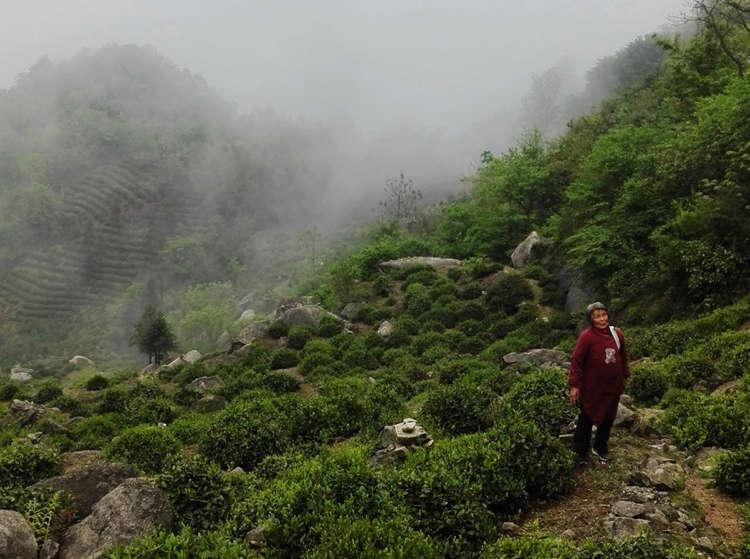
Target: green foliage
[
  {"x": 113, "y": 400},
  {"x": 733, "y": 472},
  {"x": 9, "y": 391},
  {"x": 278, "y": 329},
  {"x": 280, "y": 383},
  {"x": 48, "y": 512},
  {"x": 97, "y": 382},
  {"x": 22, "y": 464},
  {"x": 298, "y": 336},
  {"x": 143, "y": 409},
  {"x": 205, "y": 312},
  {"x": 459, "y": 408},
  {"x": 329, "y": 326},
  {"x": 647, "y": 383},
  {"x": 96, "y": 431},
  {"x": 186, "y": 543},
  {"x": 144, "y": 447},
  {"x": 507, "y": 292},
  {"x": 284, "y": 358},
  {"x": 197, "y": 490},
  {"x": 153, "y": 335},
  {"x": 190, "y": 428}
]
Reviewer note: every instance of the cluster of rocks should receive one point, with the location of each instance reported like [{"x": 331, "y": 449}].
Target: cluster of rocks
[
  {"x": 188, "y": 358},
  {"x": 116, "y": 508},
  {"x": 21, "y": 374},
  {"x": 438, "y": 264},
  {"x": 204, "y": 386},
  {"x": 533, "y": 358},
  {"x": 24, "y": 412},
  {"x": 396, "y": 441}
]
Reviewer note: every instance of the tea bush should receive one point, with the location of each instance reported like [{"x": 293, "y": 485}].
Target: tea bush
[
  {"x": 733, "y": 472},
  {"x": 507, "y": 292},
  {"x": 298, "y": 336},
  {"x": 145, "y": 447},
  {"x": 97, "y": 382},
  {"x": 197, "y": 490},
  {"x": 459, "y": 408},
  {"x": 187, "y": 543},
  {"x": 22, "y": 464},
  {"x": 284, "y": 358}
]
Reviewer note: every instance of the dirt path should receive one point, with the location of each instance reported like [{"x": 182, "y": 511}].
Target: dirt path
[{"x": 720, "y": 512}]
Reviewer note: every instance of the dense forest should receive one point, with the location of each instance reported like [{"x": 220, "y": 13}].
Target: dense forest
[{"x": 294, "y": 438}]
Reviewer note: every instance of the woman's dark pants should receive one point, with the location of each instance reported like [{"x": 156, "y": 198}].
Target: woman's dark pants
[{"x": 582, "y": 437}]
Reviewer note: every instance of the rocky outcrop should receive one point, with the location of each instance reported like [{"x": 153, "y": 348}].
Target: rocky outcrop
[
  {"x": 438, "y": 264},
  {"x": 80, "y": 459},
  {"x": 190, "y": 357},
  {"x": 659, "y": 472},
  {"x": 247, "y": 315},
  {"x": 253, "y": 331},
  {"x": 24, "y": 412},
  {"x": 89, "y": 484},
  {"x": 396, "y": 441},
  {"x": 522, "y": 252},
  {"x": 16, "y": 537},
  {"x": 302, "y": 314},
  {"x": 128, "y": 512},
  {"x": 205, "y": 384},
  {"x": 81, "y": 362},
  {"x": 211, "y": 402},
  {"x": 625, "y": 417},
  {"x": 540, "y": 357},
  {"x": 21, "y": 374},
  {"x": 385, "y": 329}
]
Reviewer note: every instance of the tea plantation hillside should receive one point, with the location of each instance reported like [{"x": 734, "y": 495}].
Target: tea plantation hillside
[{"x": 412, "y": 401}]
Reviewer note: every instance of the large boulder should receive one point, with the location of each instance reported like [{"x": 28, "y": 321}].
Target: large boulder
[
  {"x": 247, "y": 315},
  {"x": 130, "y": 511},
  {"x": 253, "y": 331},
  {"x": 192, "y": 356},
  {"x": 24, "y": 412},
  {"x": 540, "y": 357},
  {"x": 16, "y": 537},
  {"x": 80, "y": 459},
  {"x": 522, "y": 252},
  {"x": 577, "y": 296},
  {"x": 625, "y": 417},
  {"x": 89, "y": 484},
  {"x": 21, "y": 374},
  {"x": 210, "y": 403},
  {"x": 81, "y": 362},
  {"x": 385, "y": 329},
  {"x": 438, "y": 264},
  {"x": 205, "y": 384},
  {"x": 303, "y": 314},
  {"x": 660, "y": 473}
]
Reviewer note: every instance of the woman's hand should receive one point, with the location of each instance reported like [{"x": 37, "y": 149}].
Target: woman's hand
[{"x": 574, "y": 395}]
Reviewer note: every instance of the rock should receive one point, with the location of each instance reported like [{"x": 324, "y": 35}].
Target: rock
[
  {"x": 510, "y": 528},
  {"x": 192, "y": 356},
  {"x": 21, "y": 374},
  {"x": 24, "y": 412},
  {"x": 80, "y": 459},
  {"x": 626, "y": 400},
  {"x": 657, "y": 518},
  {"x": 256, "y": 538},
  {"x": 49, "y": 549},
  {"x": 659, "y": 473},
  {"x": 522, "y": 252},
  {"x": 638, "y": 494},
  {"x": 350, "y": 311},
  {"x": 211, "y": 402},
  {"x": 89, "y": 484},
  {"x": 438, "y": 264},
  {"x": 52, "y": 427},
  {"x": 247, "y": 315},
  {"x": 81, "y": 362},
  {"x": 253, "y": 331},
  {"x": 569, "y": 428},
  {"x": 396, "y": 441},
  {"x": 175, "y": 363},
  {"x": 128, "y": 512},
  {"x": 16, "y": 537},
  {"x": 628, "y": 508},
  {"x": 705, "y": 459},
  {"x": 539, "y": 357},
  {"x": 237, "y": 470},
  {"x": 385, "y": 329},
  {"x": 728, "y": 387},
  {"x": 647, "y": 422},
  {"x": 623, "y": 526},
  {"x": 625, "y": 417},
  {"x": 569, "y": 533},
  {"x": 205, "y": 384},
  {"x": 304, "y": 314}
]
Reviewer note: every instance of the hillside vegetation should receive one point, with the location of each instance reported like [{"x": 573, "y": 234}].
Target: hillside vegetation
[{"x": 274, "y": 449}]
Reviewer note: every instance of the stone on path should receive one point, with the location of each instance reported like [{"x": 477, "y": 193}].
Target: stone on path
[{"x": 16, "y": 537}]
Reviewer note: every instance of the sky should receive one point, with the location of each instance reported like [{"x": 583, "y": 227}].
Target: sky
[{"x": 442, "y": 64}]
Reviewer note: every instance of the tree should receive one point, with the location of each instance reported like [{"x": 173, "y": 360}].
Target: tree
[
  {"x": 153, "y": 335},
  {"x": 402, "y": 201},
  {"x": 720, "y": 18}
]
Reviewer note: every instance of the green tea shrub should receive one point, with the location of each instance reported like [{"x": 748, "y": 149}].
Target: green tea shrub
[
  {"x": 507, "y": 292},
  {"x": 70, "y": 405},
  {"x": 190, "y": 428},
  {"x": 279, "y": 383},
  {"x": 453, "y": 369},
  {"x": 374, "y": 537},
  {"x": 96, "y": 431},
  {"x": 735, "y": 362},
  {"x": 469, "y": 310},
  {"x": 113, "y": 400},
  {"x": 431, "y": 326},
  {"x": 22, "y": 464},
  {"x": 540, "y": 397},
  {"x": 459, "y": 408},
  {"x": 284, "y": 358},
  {"x": 479, "y": 266},
  {"x": 162, "y": 544},
  {"x": 435, "y": 353},
  {"x": 470, "y": 327},
  {"x": 142, "y": 409},
  {"x": 733, "y": 472},
  {"x": 360, "y": 405},
  {"x": 424, "y": 341},
  {"x": 197, "y": 490},
  {"x": 531, "y": 547},
  {"x": 48, "y": 391},
  {"x": 247, "y": 379},
  {"x": 10, "y": 390},
  {"x": 381, "y": 285},
  {"x": 310, "y": 498},
  {"x": 246, "y": 432},
  {"x": 145, "y": 447},
  {"x": 298, "y": 336},
  {"x": 443, "y": 290},
  {"x": 439, "y": 313},
  {"x": 329, "y": 326},
  {"x": 647, "y": 382},
  {"x": 277, "y": 329},
  {"x": 97, "y": 382},
  {"x": 417, "y": 299},
  {"x": 687, "y": 369},
  {"x": 470, "y": 291}
]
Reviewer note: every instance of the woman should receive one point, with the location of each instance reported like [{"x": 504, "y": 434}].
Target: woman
[{"x": 598, "y": 369}]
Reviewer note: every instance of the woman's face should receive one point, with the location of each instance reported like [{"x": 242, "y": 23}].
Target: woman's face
[{"x": 600, "y": 318}]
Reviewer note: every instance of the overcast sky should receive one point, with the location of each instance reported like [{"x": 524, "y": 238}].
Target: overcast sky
[{"x": 434, "y": 63}]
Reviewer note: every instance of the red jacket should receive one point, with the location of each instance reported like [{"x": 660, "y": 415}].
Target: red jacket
[{"x": 598, "y": 369}]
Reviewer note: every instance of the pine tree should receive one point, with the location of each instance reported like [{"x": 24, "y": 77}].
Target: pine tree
[{"x": 153, "y": 335}]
